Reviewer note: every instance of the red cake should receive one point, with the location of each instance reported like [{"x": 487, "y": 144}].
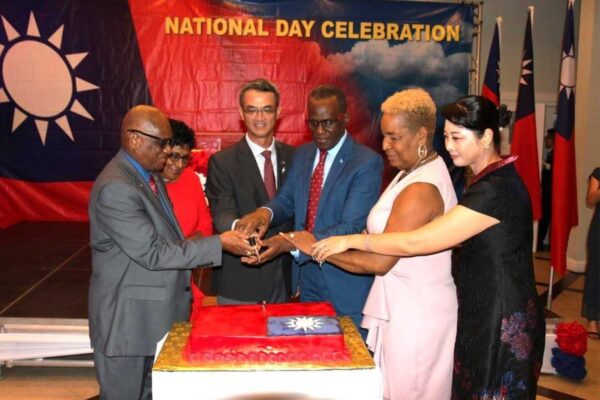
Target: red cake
[{"x": 264, "y": 334}]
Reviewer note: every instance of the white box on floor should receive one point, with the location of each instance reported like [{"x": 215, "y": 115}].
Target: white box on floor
[{"x": 551, "y": 323}]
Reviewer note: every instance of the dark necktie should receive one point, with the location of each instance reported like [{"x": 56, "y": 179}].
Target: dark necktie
[
  {"x": 152, "y": 184},
  {"x": 269, "y": 175},
  {"x": 163, "y": 202},
  {"x": 316, "y": 185}
]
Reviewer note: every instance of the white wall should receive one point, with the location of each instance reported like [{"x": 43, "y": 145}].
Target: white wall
[{"x": 548, "y": 21}]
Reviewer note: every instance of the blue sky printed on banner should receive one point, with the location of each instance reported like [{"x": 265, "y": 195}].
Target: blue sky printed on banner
[{"x": 382, "y": 67}]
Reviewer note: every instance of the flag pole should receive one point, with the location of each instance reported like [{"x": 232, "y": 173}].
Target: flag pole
[
  {"x": 531, "y": 10},
  {"x": 551, "y": 278},
  {"x": 550, "y": 287},
  {"x": 499, "y": 23}
]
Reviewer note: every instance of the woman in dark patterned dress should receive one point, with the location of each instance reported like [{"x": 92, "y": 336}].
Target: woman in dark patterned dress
[
  {"x": 591, "y": 289},
  {"x": 501, "y": 330}
]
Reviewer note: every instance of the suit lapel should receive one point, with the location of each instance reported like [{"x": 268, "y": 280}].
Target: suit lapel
[
  {"x": 336, "y": 168},
  {"x": 168, "y": 210},
  {"x": 144, "y": 187},
  {"x": 250, "y": 168}
]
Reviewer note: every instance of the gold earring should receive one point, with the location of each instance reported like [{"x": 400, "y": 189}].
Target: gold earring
[{"x": 422, "y": 151}]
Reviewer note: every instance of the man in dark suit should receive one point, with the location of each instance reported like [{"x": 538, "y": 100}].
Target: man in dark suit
[
  {"x": 332, "y": 185},
  {"x": 140, "y": 262},
  {"x": 242, "y": 178},
  {"x": 544, "y": 223}
]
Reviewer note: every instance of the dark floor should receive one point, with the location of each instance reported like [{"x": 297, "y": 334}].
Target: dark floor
[{"x": 45, "y": 269}]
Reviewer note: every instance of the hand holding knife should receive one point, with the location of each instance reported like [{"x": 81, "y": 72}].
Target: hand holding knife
[{"x": 253, "y": 242}]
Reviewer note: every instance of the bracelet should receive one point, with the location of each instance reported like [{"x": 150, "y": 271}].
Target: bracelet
[{"x": 367, "y": 244}]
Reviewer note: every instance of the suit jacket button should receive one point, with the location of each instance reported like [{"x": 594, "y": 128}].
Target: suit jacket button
[{"x": 187, "y": 288}]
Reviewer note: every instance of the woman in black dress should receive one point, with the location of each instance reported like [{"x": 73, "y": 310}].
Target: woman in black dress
[
  {"x": 591, "y": 290},
  {"x": 501, "y": 330}
]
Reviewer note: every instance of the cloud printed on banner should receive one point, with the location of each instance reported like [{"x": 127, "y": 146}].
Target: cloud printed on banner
[{"x": 421, "y": 64}]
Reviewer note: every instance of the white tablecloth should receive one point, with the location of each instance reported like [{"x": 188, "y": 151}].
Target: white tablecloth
[{"x": 358, "y": 384}]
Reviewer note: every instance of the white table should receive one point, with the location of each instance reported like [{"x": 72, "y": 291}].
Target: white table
[
  {"x": 29, "y": 341},
  {"x": 334, "y": 384}
]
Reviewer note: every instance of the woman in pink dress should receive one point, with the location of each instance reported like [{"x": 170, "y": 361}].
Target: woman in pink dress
[{"x": 411, "y": 310}]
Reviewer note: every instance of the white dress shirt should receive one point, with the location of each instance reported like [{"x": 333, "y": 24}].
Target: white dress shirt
[{"x": 260, "y": 159}]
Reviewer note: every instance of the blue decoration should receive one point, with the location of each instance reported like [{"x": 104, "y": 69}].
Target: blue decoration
[{"x": 568, "y": 365}]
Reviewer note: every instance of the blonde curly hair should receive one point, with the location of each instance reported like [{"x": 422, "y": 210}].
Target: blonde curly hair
[{"x": 416, "y": 106}]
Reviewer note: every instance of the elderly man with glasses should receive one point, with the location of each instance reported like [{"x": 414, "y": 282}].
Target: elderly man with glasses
[
  {"x": 140, "y": 261},
  {"x": 333, "y": 183}
]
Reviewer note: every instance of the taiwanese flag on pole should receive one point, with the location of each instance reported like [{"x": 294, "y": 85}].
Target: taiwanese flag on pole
[
  {"x": 524, "y": 143},
  {"x": 564, "y": 188},
  {"x": 491, "y": 82}
]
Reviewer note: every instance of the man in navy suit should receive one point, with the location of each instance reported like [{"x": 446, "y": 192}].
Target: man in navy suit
[{"x": 331, "y": 187}]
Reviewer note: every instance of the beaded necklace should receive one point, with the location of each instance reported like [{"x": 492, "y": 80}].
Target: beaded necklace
[{"x": 418, "y": 164}]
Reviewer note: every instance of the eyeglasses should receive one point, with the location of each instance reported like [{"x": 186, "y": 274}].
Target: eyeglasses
[
  {"x": 175, "y": 157},
  {"x": 326, "y": 124},
  {"x": 163, "y": 142},
  {"x": 254, "y": 111}
]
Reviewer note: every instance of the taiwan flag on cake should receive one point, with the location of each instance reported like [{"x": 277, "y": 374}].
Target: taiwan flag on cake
[{"x": 267, "y": 333}]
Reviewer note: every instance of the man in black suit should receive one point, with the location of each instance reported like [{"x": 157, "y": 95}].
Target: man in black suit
[{"x": 242, "y": 178}]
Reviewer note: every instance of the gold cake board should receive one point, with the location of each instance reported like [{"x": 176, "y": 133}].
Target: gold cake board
[{"x": 170, "y": 358}]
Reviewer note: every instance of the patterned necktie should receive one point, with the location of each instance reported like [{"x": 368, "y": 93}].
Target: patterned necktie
[
  {"x": 316, "y": 185},
  {"x": 269, "y": 175},
  {"x": 152, "y": 184},
  {"x": 163, "y": 202}
]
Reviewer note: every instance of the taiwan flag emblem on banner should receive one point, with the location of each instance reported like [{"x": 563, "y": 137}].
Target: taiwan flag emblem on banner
[
  {"x": 64, "y": 89},
  {"x": 70, "y": 70}
]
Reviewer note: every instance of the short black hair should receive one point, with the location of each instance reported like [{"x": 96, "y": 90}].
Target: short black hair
[
  {"x": 551, "y": 132},
  {"x": 326, "y": 91},
  {"x": 478, "y": 113},
  {"x": 183, "y": 135},
  {"x": 261, "y": 85}
]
